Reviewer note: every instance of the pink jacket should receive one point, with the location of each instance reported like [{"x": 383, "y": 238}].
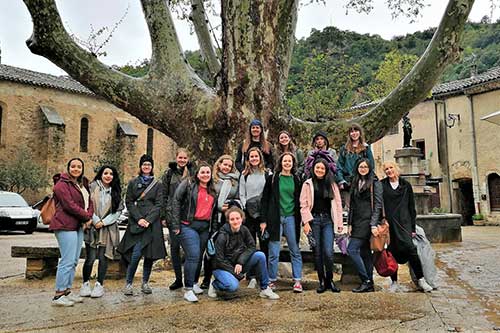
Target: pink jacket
[{"x": 307, "y": 202}]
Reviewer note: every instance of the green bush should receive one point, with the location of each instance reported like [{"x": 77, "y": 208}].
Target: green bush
[
  {"x": 477, "y": 217},
  {"x": 22, "y": 173}
]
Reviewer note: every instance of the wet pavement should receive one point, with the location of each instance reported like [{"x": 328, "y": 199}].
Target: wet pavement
[{"x": 468, "y": 299}]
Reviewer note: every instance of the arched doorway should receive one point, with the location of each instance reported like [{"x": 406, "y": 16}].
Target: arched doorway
[{"x": 494, "y": 191}]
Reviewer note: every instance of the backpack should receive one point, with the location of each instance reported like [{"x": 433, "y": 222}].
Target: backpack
[{"x": 324, "y": 154}]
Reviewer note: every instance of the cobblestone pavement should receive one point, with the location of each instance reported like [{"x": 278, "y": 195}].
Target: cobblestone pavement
[{"x": 467, "y": 300}]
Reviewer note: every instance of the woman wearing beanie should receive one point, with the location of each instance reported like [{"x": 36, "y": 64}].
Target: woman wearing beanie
[
  {"x": 144, "y": 234},
  {"x": 255, "y": 138},
  {"x": 320, "y": 142},
  {"x": 74, "y": 210}
]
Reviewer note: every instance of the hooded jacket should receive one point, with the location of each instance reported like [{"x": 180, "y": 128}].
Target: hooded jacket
[{"x": 70, "y": 206}]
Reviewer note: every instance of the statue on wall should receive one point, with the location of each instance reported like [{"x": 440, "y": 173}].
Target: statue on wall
[{"x": 407, "y": 131}]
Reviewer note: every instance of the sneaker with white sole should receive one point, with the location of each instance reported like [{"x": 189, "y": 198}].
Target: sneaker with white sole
[
  {"x": 268, "y": 293},
  {"x": 128, "y": 290},
  {"x": 146, "y": 289},
  {"x": 62, "y": 301},
  {"x": 394, "y": 287},
  {"x": 190, "y": 296},
  {"x": 252, "y": 284},
  {"x": 98, "y": 290},
  {"x": 272, "y": 285},
  {"x": 424, "y": 285},
  {"x": 297, "y": 287},
  {"x": 212, "y": 293},
  {"x": 197, "y": 289},
  {"x": 74, "y": 298},
  {"x": 85, "y": 289}
]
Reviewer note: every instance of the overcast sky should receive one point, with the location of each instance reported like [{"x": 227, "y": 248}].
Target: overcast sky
[{"x": 131, "y": 43}]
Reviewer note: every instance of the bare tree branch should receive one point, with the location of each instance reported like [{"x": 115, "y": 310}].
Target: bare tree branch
[
  {"x": 199, "y": 20},
  {"x": 51, "y": 40},
  {"x": 442, "y": 50}
]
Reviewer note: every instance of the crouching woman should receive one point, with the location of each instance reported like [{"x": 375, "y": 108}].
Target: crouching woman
[{"x": 236, "y": 255}]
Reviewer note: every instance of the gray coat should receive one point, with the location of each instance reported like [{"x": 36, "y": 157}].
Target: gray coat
[{"x": 148, "y": 208}]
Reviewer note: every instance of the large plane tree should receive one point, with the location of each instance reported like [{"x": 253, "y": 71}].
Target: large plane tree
[{"x": 257, "y": 43}]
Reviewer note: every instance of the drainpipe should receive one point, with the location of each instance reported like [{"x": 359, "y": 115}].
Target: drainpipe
[
  {"x": 475, "y": 172},
  {"x": 448, "y": 175}
]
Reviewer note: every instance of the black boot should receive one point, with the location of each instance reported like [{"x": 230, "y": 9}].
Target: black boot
[
  {"x": 205, "y": 284},
  {"x": 329, "y": 283},
  {"x": 176, "y": 285},
  {"x": 365, "y": 287},
  {"x": 321, "y": 288}
]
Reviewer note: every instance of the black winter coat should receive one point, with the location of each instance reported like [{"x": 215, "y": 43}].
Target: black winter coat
[
  {"x": 148, "y": 208},
  {"x": 242, "y": 157},
  {"x": 184, "y": 204},
  {"x": 232, "y": 248},
  {"x": 170, "y": 180},
  {"x": 401, "y": 214},
  {"x": 270, "y": 207},
  {"x": 361, "y": 215}
]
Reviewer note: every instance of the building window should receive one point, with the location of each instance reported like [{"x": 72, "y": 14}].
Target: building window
[
  {"x": 420, "y": 144},
  {"x": 394, "y": 130},
  {"x": 149, "y": 144},
  {"x": 494, "y": 189},
  {"x": 84, "y": 135}
]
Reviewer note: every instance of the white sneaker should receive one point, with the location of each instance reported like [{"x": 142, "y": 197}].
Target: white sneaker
[
  {"x": 197, "y": 290},
  {"x": 85, "y": 289},
  {"x": 190, "y": 296},
  {"x": 268, "y": 293},
  {"x": 394, "y": 287},
  {"x": 62, "y": 301},
  {"x": 212, "y": 293},
  {"x": 252, "y": 284},
  {"x": 424, "y": 285},
  {"x": 75, "y": 298},
  {"x": 98, "y": 291}
]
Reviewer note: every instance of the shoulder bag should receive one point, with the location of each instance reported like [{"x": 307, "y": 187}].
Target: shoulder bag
[
  {"x": 378, "y": 243},
  {"x": 48, "y": 209}
]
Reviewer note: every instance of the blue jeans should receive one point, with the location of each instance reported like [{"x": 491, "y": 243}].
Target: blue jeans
[
  {"x": 134, "y": 262},
  {"x": 361, "y": 256},
  {"x": 322, "y": 229},
  {"x": 194, "y": 241},
  {"x": 287, "y": 228},
  {"x": 226, "y": 281},
  {"x": 70, "y": 246},
  {"x": 175, "y": 254}
]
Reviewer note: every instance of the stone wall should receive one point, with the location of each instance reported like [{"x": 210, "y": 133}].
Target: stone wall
[{"x": 24, "y": 125}]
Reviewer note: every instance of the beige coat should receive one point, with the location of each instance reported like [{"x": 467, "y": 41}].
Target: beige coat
[{"x": 307, "y": 202}]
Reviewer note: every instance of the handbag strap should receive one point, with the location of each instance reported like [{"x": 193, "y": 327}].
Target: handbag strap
[
  {"x": 371, "y": 200},
  {"x": 150, "y": 186}
]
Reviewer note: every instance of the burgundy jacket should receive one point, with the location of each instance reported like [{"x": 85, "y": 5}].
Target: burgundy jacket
[{"x": 70, "y": 207}]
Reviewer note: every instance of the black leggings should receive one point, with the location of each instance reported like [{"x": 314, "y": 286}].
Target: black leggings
[{"x": 93, "y": 254}]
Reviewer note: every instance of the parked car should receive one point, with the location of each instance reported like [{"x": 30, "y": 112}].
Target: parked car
[{"x": 16, "y": 214}]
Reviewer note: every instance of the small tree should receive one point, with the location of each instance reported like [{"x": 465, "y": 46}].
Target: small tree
[{"x": 22, "y": 173}]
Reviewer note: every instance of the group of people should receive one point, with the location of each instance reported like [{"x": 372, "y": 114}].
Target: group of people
[{"x": 218, "y": 214}]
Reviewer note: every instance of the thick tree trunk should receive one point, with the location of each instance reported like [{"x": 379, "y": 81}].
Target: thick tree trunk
[{"x": 258, "y": 37}]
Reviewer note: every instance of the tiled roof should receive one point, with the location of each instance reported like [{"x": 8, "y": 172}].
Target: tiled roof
[
  {"x": 491, "y": 75},
  {"x": 26, "y": 76}
]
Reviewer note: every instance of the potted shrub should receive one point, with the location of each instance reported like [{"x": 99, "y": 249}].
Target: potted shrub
[{"x": 478, "y": 219}]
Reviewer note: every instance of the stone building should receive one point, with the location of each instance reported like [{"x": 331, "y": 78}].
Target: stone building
[
  {"x": 458, "y": 132},
  {"x": 56, "y": 118}
]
